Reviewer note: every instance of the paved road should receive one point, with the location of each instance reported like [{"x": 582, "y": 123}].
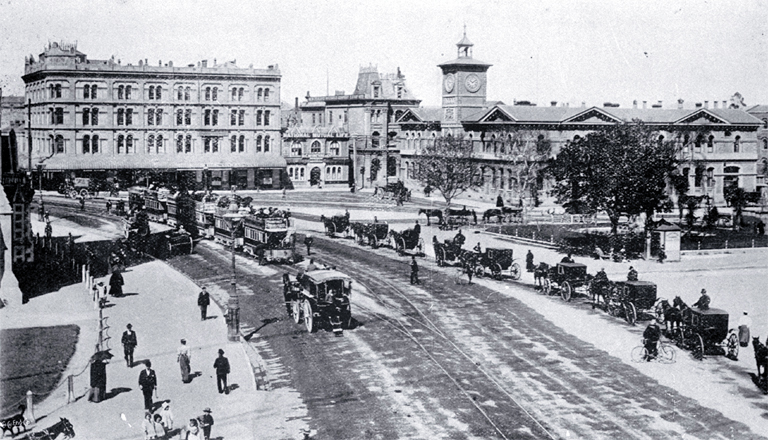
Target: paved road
[{"x": 454, "y": 361}]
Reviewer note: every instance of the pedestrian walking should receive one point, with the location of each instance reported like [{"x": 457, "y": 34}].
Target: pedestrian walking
[
  {"x": 191, "y": 431},
  {"x": 167, "y": 416},
  {"x": 150, "y": 427},
  {"x": 98, "y": 378},
  {"x": 499, "y": 201},
  {"x": 109, "y": 206},
  {"x": 529, "y": 266},
  {"x": 222, "y": 369},
  {"x": 183, "y": 358},
  {"x": 283, "y": 192},
  {"x": 116, "y": 284},
  {"x": 82, "y": 203},
  {"x": 102, "y": 291},
  {"x": 129, "y": 344},
  {"x": 470, "y": 269},
  {"x": 745, "y": 322},
  {"x": 159, "y": 427},
  {"x": 147, "y": 384},
  {"x": 308, "y": 242},
  {"x": 48, "y": 231},
  {"x": 414, "y": 271},
  {"x": 206, "y": 423},
  {"x": 203, "y": 300}
]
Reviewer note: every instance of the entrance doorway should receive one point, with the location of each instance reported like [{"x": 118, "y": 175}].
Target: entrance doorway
[{"x": 314, "y": 176}]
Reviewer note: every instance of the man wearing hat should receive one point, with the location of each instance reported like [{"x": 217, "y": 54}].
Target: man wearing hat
[
  {"x": 703, "y": 302},
  {"x": 651, "y": 337},
  {"x": 147, "y": 384},
  {"x": 222, "y": 369},
  {"x": 203, "y": 300},
  {"x": 129, "y": 343},
  {"x": 206, "y": 421}
]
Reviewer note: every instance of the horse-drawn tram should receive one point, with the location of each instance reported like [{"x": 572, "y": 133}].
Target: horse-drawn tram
[
  {"x": 179, "y": 243},
  {"x": 706, "y": 332},
  {"x": 338, "y": 224},
  {"x": 565, "y": 279},
  {"x": 498, "y": 263},
  {"x": 373, "y": 234},
  {"x": 135, "y": 198},
  {"x": 319, "y": 297},
  {"x": 269, "y": 239},
  {"x": 205, "y": 213},
  {"x": 155, "y": 202},
  {"x": 223, "y": 224}
]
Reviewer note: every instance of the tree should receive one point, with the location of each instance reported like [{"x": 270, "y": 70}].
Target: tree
[
  {"x": 738, "y": 199},
  {"x": 622, "y": 170},
  {"x": 449, "y": 165},
  {"x": 680, "y": 185},
  {"x": 527, "y": 152}
]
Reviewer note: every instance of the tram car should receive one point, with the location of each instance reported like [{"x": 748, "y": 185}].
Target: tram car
[
  {"x": 179, "y": 243},
  {"x": 319, "y": 297},
  {"x": 224, "y": 221},
  {"x": 156, "y": 204},
  {"x": 135, "y": 198},
  {"x": 269, "y": 239},
  {"x": 181, "y": 211},
  {"x": 205, "y": 211}
]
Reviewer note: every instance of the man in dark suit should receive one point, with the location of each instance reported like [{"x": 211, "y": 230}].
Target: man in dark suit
[
  {"x": 129, "y": 343},
  {"x": 148, "y": 384},
  {"x": 222, "y": 369},
  {"x": 203, "y": 300}
]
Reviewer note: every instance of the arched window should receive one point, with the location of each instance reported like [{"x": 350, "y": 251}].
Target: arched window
[
  {"x": 296, "y": 149},
  {"x": 215, "y": 94},
  {"x": 188, "y": 144},
  {"x": 120, "y": 144},
  {"x": 266, "y": 117},
  {"x": 315, "y": 148},
  {"x": 180, "y": 93},
  {"x": 86, "y": 91},
  {"x": 241, "y": 143},
  {"x": 375, "y": 139},
  {"x": 234, "y": 94},
  {"x": 120, "y": 116},
  {"x": 150, "y": 143},
  {"x": 301, "y": 173},
  {"x": 95, "y": 144},
  {"x": 127, "y": 92},
  {"x": 159, "y": 116},
  {"x": 86, "y": 116},
  {"x": 120, "y": 92},
  {"x": 259, "y": 141},
  {"x": 151, "y": 116},
  {"x": 180, "y": 144},
  {"x": 290, "y": 172},
  {"x": 160, "y": 147},
  {"x": 233, "y": 144},
  {"x": 267, "y": 143},
  {"x": 58, "y": 90},
  {"x": 158, "y": 92},
  {"x": 240, "y": 93},
  {"x": 151, "y": 92},
  {"x": 94, "y": 91},
  {"x": 179, "y": 116},
  {"x": 765, "y": 122},
  {"x": 258, "y": 94},
  {"x": 710, "y": 144},
  {"x": 207, "y": 93},
  {"x": 335, "y": 150},
  {"x": 258, "y": 117},
  {"x": 86, "y": 144},
  {"x": 697, "y": 145},
  {"x": 266, "y": 95},
  {"x": 129, "y": 144},
  {"x": 736, "y": 144},
  {"x": 94, "y": 116},
  {"x": 187, "y": 93}
]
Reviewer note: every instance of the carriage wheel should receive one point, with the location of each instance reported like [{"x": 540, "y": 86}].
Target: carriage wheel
[
  {"x": 667, "y": 354},
  {"x": 400, "y": 246},
  {"x": 639, "y": 354},
  {"x": 566, "y": 292},
  {"x": 630, "y": 313},
  {"x": 296, "y": 310},
  {"x": 421, "y": 248},
  {"x": 496, "y": 271},
  {"x": 331, "y": 229},
  {"x": 732, "y": 348},
  {"x": 440, "y": 257},
  {"x": 546, "y": 288},
  {"x": 309, "y": 316},
  {"x": 479, "y": 270},
  {"x": 680, "y": 338},
  {"x": 697, "y": 347},
  {"x": 84, "y": 193},
  {"x": 515, "y": 272}
]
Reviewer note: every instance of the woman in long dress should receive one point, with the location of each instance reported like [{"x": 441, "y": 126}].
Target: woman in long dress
[{"x": 183, "y": 359}]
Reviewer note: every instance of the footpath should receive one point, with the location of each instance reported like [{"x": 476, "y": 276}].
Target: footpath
[{"x": 161, "y": 305}]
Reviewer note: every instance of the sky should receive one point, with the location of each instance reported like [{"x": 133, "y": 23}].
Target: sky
[{"x": 590, "y": 51}]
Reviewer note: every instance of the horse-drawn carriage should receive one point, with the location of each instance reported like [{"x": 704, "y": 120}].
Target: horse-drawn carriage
[
  {"x": 706, "y": 332},
  {"x": 373, "y": 234},
  {"x": 625, "y": 299},
  {"x": 269, "y": 239},
  {"x": 319, "y": 297},
  {"x": 408, "y": 241},
  {"x": 456, "y": 218},
  {"x": 497, "y": 262},
  {"x": 566, "y": 279},
  {"x": 337, "y": 224},
  {"x": 504, "y": 214},
  {"x": 449, "y": 251},
  {"x": 136, "y": 226},
  {"x": 393, "y": 191}
]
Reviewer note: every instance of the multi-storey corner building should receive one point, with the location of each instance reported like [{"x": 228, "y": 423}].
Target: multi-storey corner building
[
  {"x": 101, "y": 118},
  {"x": 719, "y": 146},
  {"x": 761, "y": 113},
  {"x": 327, "y": 136}
]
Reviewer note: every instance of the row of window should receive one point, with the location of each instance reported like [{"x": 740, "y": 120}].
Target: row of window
[
  {"x": 297, "y": 149},
  {"x": 125, "y": 144},
  {"x": 184, "y": 93},
  {"x": 90, "y": 116},
  {"x": 332, "y": 173}
]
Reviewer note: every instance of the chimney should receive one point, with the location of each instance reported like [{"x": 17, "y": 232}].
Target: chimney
[
  {"x": 714, "y": 104},
  {"x": 214, "y": 62},
  {"x": 698, "y": 105},
  {"x": 140, "y": 62},
  {"x": 706, "y": 104},
  {"x": 170, "y": 63},
  {"x": 725, "y": 105},
  {"x": 680, "y": 104},
  {"x": 296, "y": 103},
  {"x": 554, "y": 103},
  {"x": 644, "y": 104},
  {"x": 160, "y": 63},
  {"x": 634, "y": 103},
  {"x": 146, "y": 63},
  {"x": 205, "y": 63}
]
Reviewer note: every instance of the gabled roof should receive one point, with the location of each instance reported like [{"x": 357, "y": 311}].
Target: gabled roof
[
  {"x": 593, "y": 115},
  {"x": 421, "y": 114}
]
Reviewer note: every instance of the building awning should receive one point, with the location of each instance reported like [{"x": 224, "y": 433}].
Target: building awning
[{"x": 163, "y": 161}]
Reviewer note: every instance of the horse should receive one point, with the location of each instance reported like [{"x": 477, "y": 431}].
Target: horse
[
  {"x": 53, "y": 432},
  {"x": 501, "y": 213},
  {"x": 405, "y": 240},
  {"x": 336, "y": 224},
  {"x": 464, "y": 212},
  {"x": 432, "y": 213},
  {"x": 673, "y": 314},
  {"x": 15, "y": 421},
  {"x": 540, "y": 273},
  {"x": 761, "y": 358}
]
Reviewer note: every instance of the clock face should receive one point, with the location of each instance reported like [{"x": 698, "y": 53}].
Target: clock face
[
  {"x": 449, "y": 82},
  {"x": 472, "y": 83}
]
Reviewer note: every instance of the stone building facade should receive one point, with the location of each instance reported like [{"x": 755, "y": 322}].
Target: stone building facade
[{"x": 102, "y": 118}]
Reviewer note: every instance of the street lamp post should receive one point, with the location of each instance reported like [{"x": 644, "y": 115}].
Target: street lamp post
[{"x": 233, "y": 305}]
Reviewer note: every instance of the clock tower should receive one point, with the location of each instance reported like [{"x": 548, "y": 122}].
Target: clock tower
[{"x": 464, "y": 85}]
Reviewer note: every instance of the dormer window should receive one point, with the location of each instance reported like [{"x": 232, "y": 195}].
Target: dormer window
[{"x": 376, "y": 90}]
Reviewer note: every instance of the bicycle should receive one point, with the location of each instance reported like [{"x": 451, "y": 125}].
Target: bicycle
[{"x": 666, "y": 354}]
